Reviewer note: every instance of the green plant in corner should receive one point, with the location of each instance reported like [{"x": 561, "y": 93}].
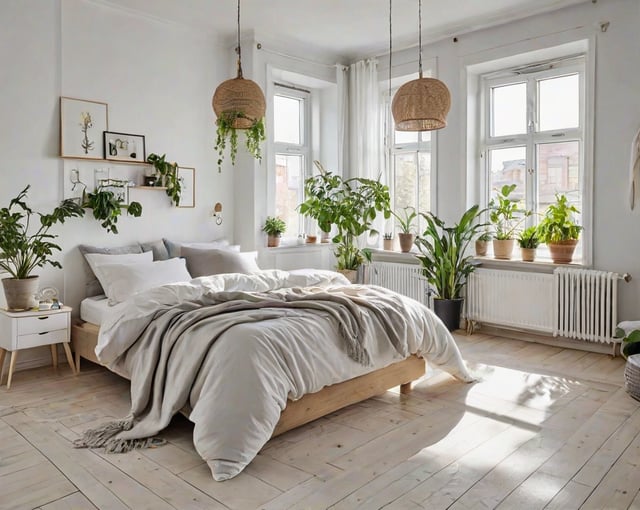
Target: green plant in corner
[
  {"x": 167, "y": 173},
  {"x": 107, "y": 206},
  {"x": 528, "y": 238},
  {"x": 225, "y": 132},
  {"x": 22, "y": 250}
]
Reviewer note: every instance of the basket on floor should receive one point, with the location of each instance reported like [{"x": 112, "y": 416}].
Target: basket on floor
[{"x": 632, "y": 376}]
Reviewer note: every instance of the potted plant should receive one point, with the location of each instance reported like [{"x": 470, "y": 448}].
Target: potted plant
[
  {"x": 482, "y": 242},
  {"x": 351, "y": 205},
  {"x": 528, "y": 241},
  {"x": 107, "y": 206},
  {"x": 387, "y": 241},
  {"x": 23, "y": 249},
  {"x": 274, "y": 228},
  {"x": 227, "y": 133},
  {"x": 405, "y": 222},
  {"x": 559, "y": 231},
  {"x": 166, "y": 176},
  {"x": 446, "y": 263},
  {"x": 318, "y": 204},
  {"x": 506, "y": 215}
]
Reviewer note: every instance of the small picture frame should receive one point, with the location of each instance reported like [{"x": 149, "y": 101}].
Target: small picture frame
[
  {"x": 82, "y": 123},
  {"x": 187, "y": 178},
  {"x": 119, "y": 187},
  {"x": 124, "y": 147}
]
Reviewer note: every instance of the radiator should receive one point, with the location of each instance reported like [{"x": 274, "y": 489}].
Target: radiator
[
  {"x": 575, "y": 303},
  {"x": 405, "y": 279}
]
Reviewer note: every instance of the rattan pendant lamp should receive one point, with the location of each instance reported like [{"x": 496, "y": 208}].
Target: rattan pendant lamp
[
  {"x": 422, "y": 104},
  {"x": 239, "y": 98}
]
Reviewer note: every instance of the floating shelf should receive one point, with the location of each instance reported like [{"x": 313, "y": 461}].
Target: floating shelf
[{"x": 149, "y": 187}]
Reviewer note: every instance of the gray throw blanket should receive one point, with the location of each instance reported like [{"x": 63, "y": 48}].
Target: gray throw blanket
[{"x": 166, "y": 359}]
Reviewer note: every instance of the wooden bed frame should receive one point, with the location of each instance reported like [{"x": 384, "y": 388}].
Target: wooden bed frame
[{"x": 84, "y": 338}]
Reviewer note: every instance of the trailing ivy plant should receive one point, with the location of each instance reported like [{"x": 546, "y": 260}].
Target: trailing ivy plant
[
  {"x": 167, "y": 173},
  {"x": 226, "y": 133},
  {"x": 107, "y": 206}
]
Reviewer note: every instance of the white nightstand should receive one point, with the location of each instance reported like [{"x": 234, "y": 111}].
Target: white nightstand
[{"x": 21, "y": 330}]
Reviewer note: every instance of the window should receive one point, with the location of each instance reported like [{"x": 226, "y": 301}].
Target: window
[
  {"x": 534, "y": 135},
  {"x": 292, "y": 153},
  {"x": 410, "y": 169}
]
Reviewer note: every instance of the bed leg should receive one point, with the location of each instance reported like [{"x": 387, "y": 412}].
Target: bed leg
[
  {"x": 405, "y": 388},
  {"x": 77, "y": 362}
]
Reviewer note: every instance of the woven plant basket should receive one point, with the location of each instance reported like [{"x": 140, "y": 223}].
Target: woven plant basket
[
  {"x": 421, "y": 105},
  {"x": 239, "y": 95},
  {"x": 632, "y": 376}
]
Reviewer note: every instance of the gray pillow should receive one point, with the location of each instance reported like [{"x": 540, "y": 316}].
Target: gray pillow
[
  {"x": 173, "y": 247},
  {"x": 158, "y": 248},
  {"x": 92, "y": 285},
  {"x": 205, "y": 262}
]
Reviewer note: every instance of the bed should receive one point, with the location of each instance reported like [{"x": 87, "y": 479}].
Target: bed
[{"x": 289, "y": 336}]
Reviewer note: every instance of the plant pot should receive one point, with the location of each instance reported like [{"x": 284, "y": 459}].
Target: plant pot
[
  {"x": 20, "y": 292},
  {"x": 312, "y": 239},
  {"x": 503, "y": 248},
  {"x": 387, "y": 244},
  {"x": 528, "y": 254},
  {"x": 448, "y": 310},
  {"x": 350, "y": 274},
  {"x": 481, "y": 248},
  {"x": 325, "y": 237},
  {"x": 562, "y": 251},
  {"x": 273, "y": 241},
  {"x": 406, "y": 242}
]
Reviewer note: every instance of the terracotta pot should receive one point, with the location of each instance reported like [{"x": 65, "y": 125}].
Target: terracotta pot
[
  {"x": 387, "y": 244},
  {"x": 312, "y": 239},
  {"x": 20, "y": 292},
  {"x": 528, "y": 254},
  {"x": 481, "y": 248},
  {"x": 562, "y": 251},
  {"x": 351, "y": 274},
  {"x": 273, "y": 241},
  {"x": 503, "y": 248},
  {"x": 406, "y": 242}
]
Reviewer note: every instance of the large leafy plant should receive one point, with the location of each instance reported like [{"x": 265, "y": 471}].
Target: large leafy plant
[
  {"x": 167, "y": 173},
  {"x": 443, "y": 252},
  {"x": 23, "y": 249},
  {"x": 226, "y": 133},
  {"x": 558, "y": 222},
  {"x": 506, "y": 213},
  {"x": 351, "y": 205},
  {"x": 107, "y": 207}
]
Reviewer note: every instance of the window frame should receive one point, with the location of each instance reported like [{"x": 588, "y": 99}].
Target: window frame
[
  {"x": 574, "y": 64},
  {"x": 303, "y": 149}
]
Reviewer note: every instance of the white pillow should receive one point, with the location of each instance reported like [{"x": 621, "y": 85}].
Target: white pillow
[
  {"x": 97, "y": 259},
  {"x": 121, "y": 281}
]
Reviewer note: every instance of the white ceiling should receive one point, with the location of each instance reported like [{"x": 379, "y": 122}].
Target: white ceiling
[{"x": 348, "y": 28}]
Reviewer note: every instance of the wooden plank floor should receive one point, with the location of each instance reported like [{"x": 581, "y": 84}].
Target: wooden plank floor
[{"x": 543, "y": 427}]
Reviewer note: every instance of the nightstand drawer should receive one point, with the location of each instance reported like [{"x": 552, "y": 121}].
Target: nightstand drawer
[
  {"x": 42, "y": 323},
  {"x": 37, "y": 339}
]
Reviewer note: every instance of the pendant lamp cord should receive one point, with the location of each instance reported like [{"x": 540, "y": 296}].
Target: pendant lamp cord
[
  {"x": 390, "y": 49},
  {"x": 419, "y": 37},
  {"x": 238, "y": 50}
]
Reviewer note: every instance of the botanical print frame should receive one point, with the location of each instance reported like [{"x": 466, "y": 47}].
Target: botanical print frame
[
  {"x": 82, "y": 123},
  {"x": 124, "y": 147},
  {"x": 187, "y": 178}
]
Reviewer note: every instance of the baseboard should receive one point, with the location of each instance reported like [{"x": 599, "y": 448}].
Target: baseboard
[{"x": 612, "y": 349}]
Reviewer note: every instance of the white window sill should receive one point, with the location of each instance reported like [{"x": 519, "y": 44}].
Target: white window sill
[{"x": 541, "y": 265}]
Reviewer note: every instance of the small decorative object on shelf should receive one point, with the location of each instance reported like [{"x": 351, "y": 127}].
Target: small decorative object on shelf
[
  {"x": 150, "y": 180},
  {"x": 312, "y": 239}
]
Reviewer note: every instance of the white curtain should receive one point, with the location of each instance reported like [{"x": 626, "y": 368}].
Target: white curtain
[
  {"x": 342, "y": 80},
  {"x": 364, "y": 121}
]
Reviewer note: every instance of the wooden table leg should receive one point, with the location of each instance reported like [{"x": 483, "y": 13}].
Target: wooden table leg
[
  {"x": 67, "y": 351},
  {"x": 77, "y": 362},
  {"x": 12, "y": 365},
  {"x": 3, "y": 353},
  {"x": 54, "y": 355}
]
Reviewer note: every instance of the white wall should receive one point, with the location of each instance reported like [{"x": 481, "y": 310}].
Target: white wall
[{"x": 157, "y": 78}]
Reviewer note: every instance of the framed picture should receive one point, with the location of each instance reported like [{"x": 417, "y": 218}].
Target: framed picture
[
  {"x": 124, "y": 147},
  {"x": 119, "y": 187},
  {"x": 187, "y": 178},
  {"x": 82, "y": 123}
]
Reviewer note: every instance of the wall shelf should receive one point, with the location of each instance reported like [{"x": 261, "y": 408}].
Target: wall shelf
[{"x": 148, "y": 187}]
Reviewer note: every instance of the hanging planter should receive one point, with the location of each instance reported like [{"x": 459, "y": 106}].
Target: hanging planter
[{"x": 239, "y": 104}]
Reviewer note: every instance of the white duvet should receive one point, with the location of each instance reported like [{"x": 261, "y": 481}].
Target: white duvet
[{"x": 253, "y": 368}]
